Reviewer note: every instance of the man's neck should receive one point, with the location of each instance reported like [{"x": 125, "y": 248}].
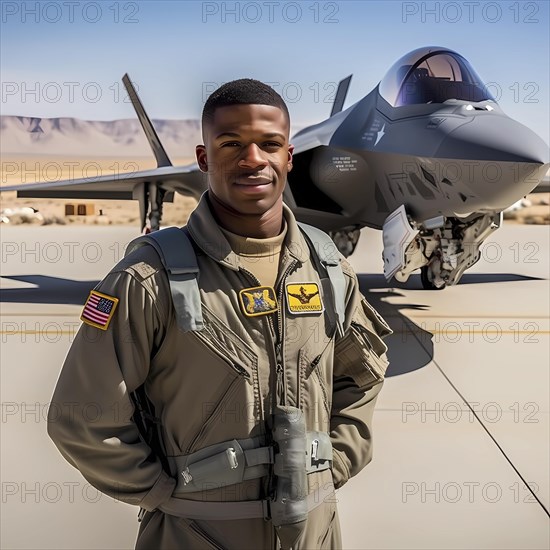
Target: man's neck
[{"x": 261, "y": 226}]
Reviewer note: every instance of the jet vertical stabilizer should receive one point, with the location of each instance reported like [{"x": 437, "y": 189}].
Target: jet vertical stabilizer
[
  {"x": 341, "y": 94},
  {"x": 146, "y": 124}
]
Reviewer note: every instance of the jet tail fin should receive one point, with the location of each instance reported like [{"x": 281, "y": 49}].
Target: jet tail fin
[
  {"x": 341, "y": 94},
  {"x": 146, "y": 124}
]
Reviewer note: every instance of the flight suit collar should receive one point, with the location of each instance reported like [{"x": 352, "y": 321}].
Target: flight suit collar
[
  {"x": 206, "y": 232},
  {"x": 295, "y": 242}
]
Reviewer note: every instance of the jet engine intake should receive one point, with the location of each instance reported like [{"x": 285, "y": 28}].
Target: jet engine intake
[{"x": 346, "y": 239}]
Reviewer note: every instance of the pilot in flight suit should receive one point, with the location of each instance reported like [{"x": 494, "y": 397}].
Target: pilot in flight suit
[{"x": 269, "y": 349}]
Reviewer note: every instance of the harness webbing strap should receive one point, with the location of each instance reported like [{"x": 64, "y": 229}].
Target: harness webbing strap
[
  {"x": 208, "y": 510},
  {"x": 180, "y": 261},
  {"x": 234, "y": 461},
  {"x": 327, "y": 253},
  {"x": 175, "y": 249},
  {"x": 261, "y": 455}
]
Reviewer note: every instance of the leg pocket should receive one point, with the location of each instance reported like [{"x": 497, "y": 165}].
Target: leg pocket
[
  {"x": 208, "y": 542},
  {"x": 326, "y": 538},
  {"x": 166, "y": 532}
]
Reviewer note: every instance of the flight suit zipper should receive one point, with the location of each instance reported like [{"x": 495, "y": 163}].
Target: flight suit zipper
[
  {"x": 272, "y": 332},
  {"x": 279, "y": 352},
  {"x": 276, "y": 332}
]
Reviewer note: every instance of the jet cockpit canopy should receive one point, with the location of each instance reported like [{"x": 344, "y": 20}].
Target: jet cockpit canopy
[{"x": 432, "y": 75}]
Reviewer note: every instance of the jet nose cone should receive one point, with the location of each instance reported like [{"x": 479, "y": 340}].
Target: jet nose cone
[{"x": 494, "y": 137}]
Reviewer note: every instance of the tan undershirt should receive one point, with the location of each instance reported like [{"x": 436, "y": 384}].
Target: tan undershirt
[{"x": 259, "y": 256}]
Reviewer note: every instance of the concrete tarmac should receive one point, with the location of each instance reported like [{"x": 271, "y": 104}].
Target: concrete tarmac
[{"x": 462, "y": 426}]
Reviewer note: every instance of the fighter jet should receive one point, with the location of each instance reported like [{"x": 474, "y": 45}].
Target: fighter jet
[{"x": 428, "y": 157}]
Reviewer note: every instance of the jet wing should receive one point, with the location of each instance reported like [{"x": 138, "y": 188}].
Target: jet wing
[{"x": 186, "y": 180}]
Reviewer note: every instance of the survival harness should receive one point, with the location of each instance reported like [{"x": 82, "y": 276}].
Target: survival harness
[{"x": 237, "y": 460}]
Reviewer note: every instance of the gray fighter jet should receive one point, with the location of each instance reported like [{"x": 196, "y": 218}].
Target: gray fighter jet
[{"x": 427, "y": 156}]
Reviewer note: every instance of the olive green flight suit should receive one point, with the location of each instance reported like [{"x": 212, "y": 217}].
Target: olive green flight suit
[{"x": 218, "y": 384}]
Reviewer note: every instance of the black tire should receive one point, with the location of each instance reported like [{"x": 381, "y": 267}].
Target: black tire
[{"x": 427, "y": 283}]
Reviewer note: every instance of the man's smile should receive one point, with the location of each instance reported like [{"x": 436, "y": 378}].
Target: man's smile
[{"x": 253, "y": 181}]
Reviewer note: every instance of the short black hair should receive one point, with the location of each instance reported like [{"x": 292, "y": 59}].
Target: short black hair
[{"x": 245, "y": 91}]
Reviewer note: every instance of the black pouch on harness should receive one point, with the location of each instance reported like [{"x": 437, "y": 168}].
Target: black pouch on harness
[{"x": 289, "y": 436}]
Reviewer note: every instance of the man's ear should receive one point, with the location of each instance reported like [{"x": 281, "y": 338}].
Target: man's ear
[
  {"x": 200, "y": 152},
  {"x": 289, "y": 161}
]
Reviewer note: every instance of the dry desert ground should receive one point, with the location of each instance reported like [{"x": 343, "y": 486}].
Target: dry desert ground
[{"x": 24, "y": 170}]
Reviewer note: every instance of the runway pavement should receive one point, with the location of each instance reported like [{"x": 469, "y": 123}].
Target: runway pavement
[{"x": 461, "y": 433}]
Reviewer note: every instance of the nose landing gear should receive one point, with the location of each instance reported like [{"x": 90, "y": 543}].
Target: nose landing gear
[
  {"x": 431, "y": 280},
  {"x": 442, "y": 248}
]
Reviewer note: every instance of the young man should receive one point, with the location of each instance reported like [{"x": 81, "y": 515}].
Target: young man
[{"x": 266, "y": 408}]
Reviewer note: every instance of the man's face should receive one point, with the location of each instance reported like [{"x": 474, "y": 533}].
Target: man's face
[{"x": 247, "y": 156}]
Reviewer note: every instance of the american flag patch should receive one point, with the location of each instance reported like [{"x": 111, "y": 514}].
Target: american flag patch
[{"x": 99, "y": 309}]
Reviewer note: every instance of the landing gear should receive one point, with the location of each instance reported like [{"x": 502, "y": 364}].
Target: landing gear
[
  {"x": 156, "y": 195},
  {"x": 442, "y": 247},
  {"x": 150, "y": 197},
  {"x": 428, "y": 279}
]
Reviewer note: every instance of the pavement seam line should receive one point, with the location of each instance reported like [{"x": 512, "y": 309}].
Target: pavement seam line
[{"x": 484, "y": 427}]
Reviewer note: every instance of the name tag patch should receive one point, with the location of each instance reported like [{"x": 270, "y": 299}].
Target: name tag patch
[
  {"x": 258, "y": 300},
  {"x": 304, "y": 298},
  {"x": 99, "y": 310}
]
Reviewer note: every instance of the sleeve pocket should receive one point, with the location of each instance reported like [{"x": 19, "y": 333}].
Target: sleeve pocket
[
  {"x": 358, "y": 359},
  {"x": 361, "y": 353}
]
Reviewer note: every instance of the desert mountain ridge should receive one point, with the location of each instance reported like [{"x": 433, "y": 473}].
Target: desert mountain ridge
[{"x": 21, "y": 135}]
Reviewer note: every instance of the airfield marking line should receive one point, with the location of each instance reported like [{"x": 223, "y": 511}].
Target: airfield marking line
[
  {"x": 451, "y": 332},
  {"x": 431, "y": 331},
  {"x": 41, "y": 332},
  {"x": 38, "y": 315},
  {"x": 486, "y": 429},
  {"x": 462, "y": 409},
  {"x": 511, "y": 316}
]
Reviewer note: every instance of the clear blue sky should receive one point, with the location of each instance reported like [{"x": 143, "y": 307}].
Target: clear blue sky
[{"x": 61, "y": 58}]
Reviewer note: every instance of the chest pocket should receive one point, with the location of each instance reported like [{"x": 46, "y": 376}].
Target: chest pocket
[
  {"x": 219, "y": 337},
  {"x": 315, "y": 361},
  {"x": 361, "y": 354},
  {"x": 237, "y": 408}
]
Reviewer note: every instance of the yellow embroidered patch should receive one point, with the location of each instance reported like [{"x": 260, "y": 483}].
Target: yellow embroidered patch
[
  {"x": 99, "y": 309},
  {"x": 258, "y": 300},
  {"x": 304, "y": 298}
]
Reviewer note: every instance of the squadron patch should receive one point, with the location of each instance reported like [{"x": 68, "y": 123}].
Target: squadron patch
[
  {"x": 258, "y": 300},
  {"x": 99, "y": 309},
  {"x": 304, "y": 298}
]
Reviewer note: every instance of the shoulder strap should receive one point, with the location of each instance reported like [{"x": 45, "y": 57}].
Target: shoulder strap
[
  {"x": 175, "y": 249},
  {"x": 327, "y": 253},
  {"x": 178, "y": 257}
]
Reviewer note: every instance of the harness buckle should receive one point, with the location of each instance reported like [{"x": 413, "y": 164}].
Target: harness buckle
[
  {"x": 232, "y": 458},
  {"x": 314, "y": 446},
  {"x": 141, "y": 514},
  {"x": 187, "y": 477}
]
